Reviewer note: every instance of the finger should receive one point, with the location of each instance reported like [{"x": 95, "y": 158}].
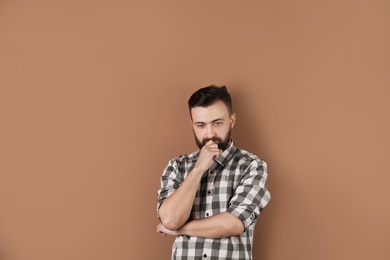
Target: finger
[
  {"x": 212, "y": 149},
  {"x": 211, "y": 143}
]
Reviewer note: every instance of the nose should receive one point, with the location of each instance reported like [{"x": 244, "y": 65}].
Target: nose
[{"x": 210, "y": 132}]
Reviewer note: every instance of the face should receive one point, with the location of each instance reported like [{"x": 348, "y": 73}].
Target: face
[{"x": 212, "y": 123}]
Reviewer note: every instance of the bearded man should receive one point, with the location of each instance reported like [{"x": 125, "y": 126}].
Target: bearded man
[{"x": 211, "y": 199}]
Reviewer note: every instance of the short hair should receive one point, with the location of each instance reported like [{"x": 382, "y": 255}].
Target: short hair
[{"x": 207, "y": 96}]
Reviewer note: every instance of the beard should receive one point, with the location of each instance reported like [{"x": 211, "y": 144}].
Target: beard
[{"x": 222, "y": 143}]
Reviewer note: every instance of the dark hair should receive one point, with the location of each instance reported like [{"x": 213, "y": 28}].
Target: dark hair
[{"x": 207, "y": 96}]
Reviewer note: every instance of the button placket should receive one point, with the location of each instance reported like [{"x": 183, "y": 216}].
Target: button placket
[
  {"x": 207, "y": 250},
  {"x": 210, "y": 188}
]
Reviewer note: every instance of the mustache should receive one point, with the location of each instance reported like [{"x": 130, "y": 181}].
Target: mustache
[
  {"x": 218, "y": 141},
  {"x": 214, "y": 139}
]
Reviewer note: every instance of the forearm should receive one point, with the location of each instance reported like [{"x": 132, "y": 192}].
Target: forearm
[
  {"x": 176, "y": 209},
  {"x": 218, "y": 226}
]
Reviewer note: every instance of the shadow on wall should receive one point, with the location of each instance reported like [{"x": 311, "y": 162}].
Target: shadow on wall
[
  {"x": 248, "y": 135},
  {"x": 245, "y": 134}
]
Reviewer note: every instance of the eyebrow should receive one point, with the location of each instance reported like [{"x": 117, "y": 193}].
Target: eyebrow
[{"x": 215, "y": 120}]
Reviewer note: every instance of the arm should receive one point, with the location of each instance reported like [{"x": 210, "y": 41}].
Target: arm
[
  {"x": 251, "y": 196},
  {"x": 218, "y": 226},
  {"x": 176, "y": 209}
]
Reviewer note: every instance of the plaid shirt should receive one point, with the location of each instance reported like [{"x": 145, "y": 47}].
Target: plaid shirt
[{"x": 235, "y": 183}]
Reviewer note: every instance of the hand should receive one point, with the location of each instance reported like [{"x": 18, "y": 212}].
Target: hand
[
  {"x": 208, "y": 154},
  {"x": 164, "y": 231}
]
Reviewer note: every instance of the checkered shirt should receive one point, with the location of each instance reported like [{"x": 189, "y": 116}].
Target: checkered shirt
[{"x": 235, "y": 183}]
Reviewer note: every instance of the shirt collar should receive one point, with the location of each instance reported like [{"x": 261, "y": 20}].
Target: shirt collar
[{"x": 227, "y": 154}]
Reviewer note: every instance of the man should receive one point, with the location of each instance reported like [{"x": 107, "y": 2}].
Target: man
[{"x": 211, "y": 199}]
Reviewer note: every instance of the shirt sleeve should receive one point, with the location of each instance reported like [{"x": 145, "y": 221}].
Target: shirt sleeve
[
  {"x": 251, "y": 194},
  {"x": 169, "y": 182}
]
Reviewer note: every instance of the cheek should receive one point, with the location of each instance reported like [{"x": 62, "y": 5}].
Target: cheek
[
  {"x": 198, "y": 133},
  {"x": 225, "y": 131}
]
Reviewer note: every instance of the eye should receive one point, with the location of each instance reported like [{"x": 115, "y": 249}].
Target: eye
[
  {"x": 200, "y": 125},
  {"x": 217, "y": 123}
]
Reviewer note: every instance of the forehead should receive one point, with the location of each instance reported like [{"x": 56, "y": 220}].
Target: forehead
[{"x": 210, "y": 113}]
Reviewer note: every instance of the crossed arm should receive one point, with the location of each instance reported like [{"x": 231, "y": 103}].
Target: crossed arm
[
  {"x": 176, "y": 209},
  {"x": 218, "y": 226}
]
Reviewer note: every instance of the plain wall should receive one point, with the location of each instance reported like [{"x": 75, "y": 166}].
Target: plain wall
[{"x": 93, "y": 105}]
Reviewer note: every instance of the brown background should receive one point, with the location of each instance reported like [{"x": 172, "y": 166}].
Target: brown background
[{"x": 93, "y": 105}]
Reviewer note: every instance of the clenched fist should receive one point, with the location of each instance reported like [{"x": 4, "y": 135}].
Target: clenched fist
[{"x": 208, "y": 154}]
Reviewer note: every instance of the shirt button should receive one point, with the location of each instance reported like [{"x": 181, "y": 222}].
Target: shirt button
[
  {"x": 209, "y": 193},
  {"x": 211, "y": 172},
  {"x": 207, "y": 214},
  {"x": 205, "y": 255}
]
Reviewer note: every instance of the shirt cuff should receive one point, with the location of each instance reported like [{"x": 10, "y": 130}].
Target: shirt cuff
[{"x": 247, "y": 217}]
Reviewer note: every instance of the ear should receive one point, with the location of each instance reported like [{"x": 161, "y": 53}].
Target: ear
[{"x": 233, "y": 120}]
